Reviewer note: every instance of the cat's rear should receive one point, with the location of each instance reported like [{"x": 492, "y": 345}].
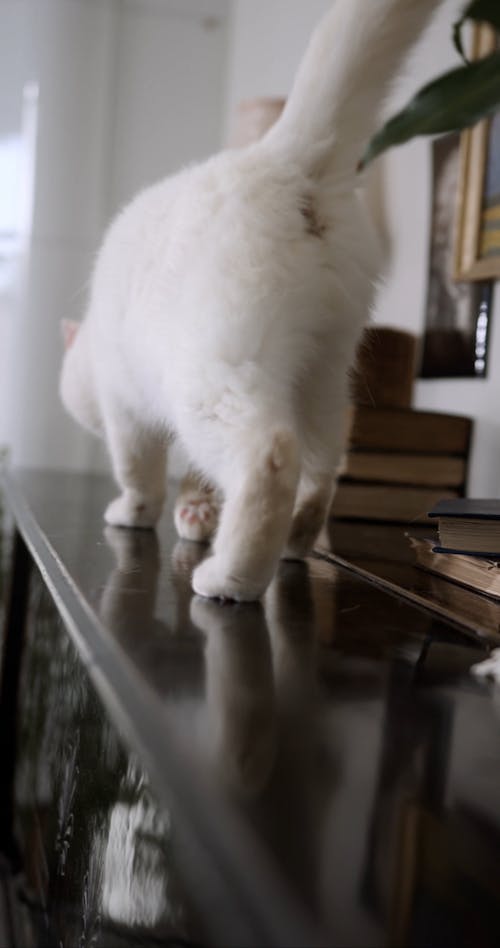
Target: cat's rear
[{"x": 228, "y": 301}]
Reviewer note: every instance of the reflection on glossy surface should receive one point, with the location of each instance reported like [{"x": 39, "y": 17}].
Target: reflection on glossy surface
[
  {"x": 383, "y": 551},
  {"x": 239, "y": 712},
  {"x": 4, "y": 558},
  {"x": 95, "y": 844},
  {"x": 134, "y": 884},
  {"x": 341, "y": 722}
]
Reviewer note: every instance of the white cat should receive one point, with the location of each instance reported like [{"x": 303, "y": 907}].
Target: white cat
[{"x": 226, "y": 305}]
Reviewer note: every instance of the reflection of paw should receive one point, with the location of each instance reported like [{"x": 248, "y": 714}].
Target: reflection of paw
[
  {"x": 213, "y": 582},
  {"x": 185, "y": 556},
  {"x": 133, "y": 510},
  {"x": 196, "y": 516},
  {"x": 217, "y": 618},
  {"x": 123, "y": 545},
  {"x": 134, "y": 549}
]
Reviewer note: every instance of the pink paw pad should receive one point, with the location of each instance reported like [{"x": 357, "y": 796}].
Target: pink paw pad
[
  {"x": 196, "y": 512},
  {"x": 196, "y": 519}
]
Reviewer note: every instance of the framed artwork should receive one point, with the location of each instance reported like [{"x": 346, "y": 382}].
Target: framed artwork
[
  {"x": 455, "y": 341},
  {"x": 477, "y": 250}
]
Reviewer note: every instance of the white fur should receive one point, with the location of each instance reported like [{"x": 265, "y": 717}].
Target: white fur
[{"x": 226, "y": 305}]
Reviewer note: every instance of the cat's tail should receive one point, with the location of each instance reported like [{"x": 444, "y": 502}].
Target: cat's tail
[{"x": 354, "y": 54}]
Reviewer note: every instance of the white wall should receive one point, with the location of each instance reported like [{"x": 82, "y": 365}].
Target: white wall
[
  {"x": 128, "y": 90},
  {"x": 267, "y": 41},
  {"x": 170, "y": 85},
  {"x": 54, "y": 42},
  {"x": 268, "y": 38}
]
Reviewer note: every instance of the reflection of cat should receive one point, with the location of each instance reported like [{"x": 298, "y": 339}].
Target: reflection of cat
[
  {"x": 233, "y": 725},
  {"x": 226, "y": 305},
  {"x": 240, "y": 714},
  {"x": 261, "y": 691}
]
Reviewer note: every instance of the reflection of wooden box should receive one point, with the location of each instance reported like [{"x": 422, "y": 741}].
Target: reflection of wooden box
[{"x": 385, "y": 368}]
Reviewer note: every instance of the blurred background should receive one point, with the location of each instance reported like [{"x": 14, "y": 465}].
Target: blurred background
[{"x": 99, "y": 98}]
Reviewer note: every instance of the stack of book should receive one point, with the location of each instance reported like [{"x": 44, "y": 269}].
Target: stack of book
[
  {"x": 400, "y": 462},
  {"x": 468, "y": 548}
]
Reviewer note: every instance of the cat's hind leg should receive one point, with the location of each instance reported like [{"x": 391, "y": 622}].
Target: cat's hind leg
[
  {"x": 138, "y": 456},
  {"x": 311, "y": 510},
  {"x": 321, "y": 416},
  {"x": 196, "y": 511},
  {"x": 255, "y": 519}
]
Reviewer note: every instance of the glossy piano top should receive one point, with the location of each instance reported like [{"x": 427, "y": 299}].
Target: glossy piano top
[{"x": 333, "y": 766}]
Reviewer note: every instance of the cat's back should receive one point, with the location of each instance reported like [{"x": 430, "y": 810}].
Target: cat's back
[
  {"x": 135, "y": 235},
  {"x": 234, "y": 251}
]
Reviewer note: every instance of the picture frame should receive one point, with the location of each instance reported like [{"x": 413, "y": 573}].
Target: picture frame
[
  {"x": 477, "y": 247},
  {"x": 455, "y": 339}
]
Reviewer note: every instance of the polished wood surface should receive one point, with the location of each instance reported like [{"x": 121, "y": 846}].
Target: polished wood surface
[{"x": 320, "y": 768}]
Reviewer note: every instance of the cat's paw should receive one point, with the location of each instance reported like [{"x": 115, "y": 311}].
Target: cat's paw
[
  {"x": 299, "y": 546},
  {"x": 295, "y": 554},
  {"x": 133, "y": 510},
  {"x": 196, "y": 517},
  {"x": 213, "y": 582},
  {"x": 306, "y": 525}
]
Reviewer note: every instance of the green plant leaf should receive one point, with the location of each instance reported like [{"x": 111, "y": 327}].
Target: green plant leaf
[
  {"x": 482, "y": 11},
  {"x": 457, "y": 39},
  {"x": 454, "y": 101}
]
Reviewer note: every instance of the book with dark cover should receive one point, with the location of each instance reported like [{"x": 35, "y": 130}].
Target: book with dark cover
[
  {"x": 467, "y": 507},
  {"x": 469, "y": 526}
]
